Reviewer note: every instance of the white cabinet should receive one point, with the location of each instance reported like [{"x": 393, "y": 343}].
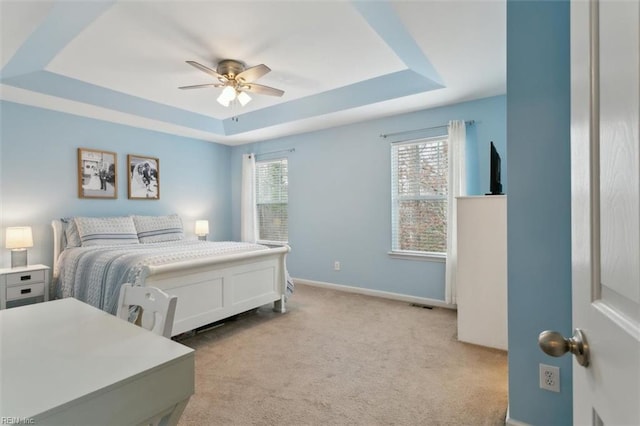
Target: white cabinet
[
  {"x": 482, "y": 270},
  {"x": 24, "y": 285}
]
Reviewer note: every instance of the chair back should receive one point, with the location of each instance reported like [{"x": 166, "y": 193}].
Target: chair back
[{"x": 158, "y": 308}]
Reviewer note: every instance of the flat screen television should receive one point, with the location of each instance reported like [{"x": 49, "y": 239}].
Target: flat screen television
[{"x": 495, "y": 184}]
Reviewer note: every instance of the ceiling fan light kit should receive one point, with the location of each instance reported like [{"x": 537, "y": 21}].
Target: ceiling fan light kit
[
  {"x": 236, "y": 80},
  {"x": 243, "y": 98},
  {"x": 228, "y": 94}
]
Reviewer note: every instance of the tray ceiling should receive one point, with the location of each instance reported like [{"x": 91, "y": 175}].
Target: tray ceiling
[{"x": 337, "y": 61}]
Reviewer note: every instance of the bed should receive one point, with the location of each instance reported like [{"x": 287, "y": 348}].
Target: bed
[{"x": 213, "y": 280}]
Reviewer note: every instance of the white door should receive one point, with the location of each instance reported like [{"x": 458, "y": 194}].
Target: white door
[{"x": 605, "y": 172}]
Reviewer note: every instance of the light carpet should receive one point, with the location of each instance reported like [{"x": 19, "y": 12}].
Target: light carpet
[{"x": 338, "y": 358}]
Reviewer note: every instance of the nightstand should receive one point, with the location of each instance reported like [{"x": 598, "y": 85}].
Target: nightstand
[{"x": 24, "y": 285}]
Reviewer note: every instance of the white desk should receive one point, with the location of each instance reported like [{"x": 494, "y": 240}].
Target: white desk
[{"x": 66, "y": 363}]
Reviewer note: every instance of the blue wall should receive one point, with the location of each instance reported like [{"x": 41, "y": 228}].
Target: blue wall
[
  {"x": 38, "y": 174},
  {"x": 340, "y": 196},
  {"x": 539, "y": 204},
  {"x": 339, "y": 186}
]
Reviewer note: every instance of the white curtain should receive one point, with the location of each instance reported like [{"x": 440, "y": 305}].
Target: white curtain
[
  {"x": 457, "y": 187},
  {"x": 248, "y": 221}
]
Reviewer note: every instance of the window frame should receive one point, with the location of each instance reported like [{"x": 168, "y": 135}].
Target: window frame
[
  {"x": 258, "y": 229},
  {"x": 395, "y": 251}
]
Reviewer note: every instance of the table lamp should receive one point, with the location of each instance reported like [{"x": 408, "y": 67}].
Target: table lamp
[
  {"x": 202, "y": 229},
  {"x": 19, "y": 238}
]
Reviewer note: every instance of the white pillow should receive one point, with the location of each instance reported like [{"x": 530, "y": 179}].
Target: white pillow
[
  {"x": 98, "y": 231},
  {"x": 71, "y": 232},
  {"x": 155, "y": 229}
]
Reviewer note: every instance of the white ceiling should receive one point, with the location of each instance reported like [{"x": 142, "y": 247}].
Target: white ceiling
[{"x": 337, "y": 61}]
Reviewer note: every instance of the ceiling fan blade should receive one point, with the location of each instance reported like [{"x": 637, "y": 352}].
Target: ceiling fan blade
[
  {"x": 200, "y": 86},
  {"x": 208, "y": 70},
  {"x": 253, "y": 73},
  {"x": 261, "y": 90}
]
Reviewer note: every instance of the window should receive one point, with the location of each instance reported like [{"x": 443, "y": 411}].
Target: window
[
  {"x": 272, "y": 200},
  {"x": 419, "y": 186}
]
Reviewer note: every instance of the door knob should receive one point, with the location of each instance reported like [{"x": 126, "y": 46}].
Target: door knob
[{"x": 554, "y": 344}]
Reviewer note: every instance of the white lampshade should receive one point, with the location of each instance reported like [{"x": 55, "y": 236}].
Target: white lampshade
[
  {"x": 202, "y": 227},
  {"x": 228, "y": 94},
  {"x": 244, "y": 98},
  {"x": 222, "y": 100},
  {"x": 19, "y": 237}
]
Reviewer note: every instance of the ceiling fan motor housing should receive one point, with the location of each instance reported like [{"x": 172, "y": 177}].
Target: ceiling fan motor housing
[{"x": 230, "y": 68}]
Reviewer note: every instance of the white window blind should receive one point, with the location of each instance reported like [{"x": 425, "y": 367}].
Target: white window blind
[
  {"x": 272, "y": 200},
  {"x": 419, "y": 185}
]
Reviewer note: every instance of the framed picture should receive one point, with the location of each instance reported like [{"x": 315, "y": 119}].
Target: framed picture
[
  {"x": 97, "y": 174},
  {"x": 144, "y": 177}
]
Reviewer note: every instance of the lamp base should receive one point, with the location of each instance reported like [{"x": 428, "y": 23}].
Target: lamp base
[
  {"x": 18, "y": 258},
  {"x": 202, "y": 237}
]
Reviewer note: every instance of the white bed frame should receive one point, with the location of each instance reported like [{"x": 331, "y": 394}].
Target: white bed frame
[{"x": 212, "y": 289}]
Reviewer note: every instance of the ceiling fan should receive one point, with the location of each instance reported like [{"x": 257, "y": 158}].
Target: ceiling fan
[{"x": 236, "y": 80}]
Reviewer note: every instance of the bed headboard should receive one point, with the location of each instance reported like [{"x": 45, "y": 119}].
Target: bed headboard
[{"x": 58, "y": 243}]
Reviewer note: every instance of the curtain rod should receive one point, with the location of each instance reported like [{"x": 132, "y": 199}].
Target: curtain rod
[
  {"x": 386, "y": 135},
  {"x": 277, "y": 152}
]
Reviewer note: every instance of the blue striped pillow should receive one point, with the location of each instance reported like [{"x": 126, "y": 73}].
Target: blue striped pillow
[
  {"x": 99, "y": 231},
  {"x": 155, "y": 229}
]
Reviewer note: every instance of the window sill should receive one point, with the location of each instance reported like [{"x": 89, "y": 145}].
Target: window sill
[{"x": 426, "y": 257}]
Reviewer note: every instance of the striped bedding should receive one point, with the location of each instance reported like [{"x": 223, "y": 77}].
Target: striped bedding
[{"x": 94, "y": 274}]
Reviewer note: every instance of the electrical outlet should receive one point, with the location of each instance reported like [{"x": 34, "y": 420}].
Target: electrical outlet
[
  {"x": 550, "y": 378},
  {"x": 336, "y": 266}
]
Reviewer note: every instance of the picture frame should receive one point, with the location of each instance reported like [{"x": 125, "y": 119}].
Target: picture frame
[
  {"x": 97, "y": 174},
  {"x": 143, "y": 174}
]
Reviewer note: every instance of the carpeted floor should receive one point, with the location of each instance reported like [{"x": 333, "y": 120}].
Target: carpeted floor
[{"x": 337, "y": 358}]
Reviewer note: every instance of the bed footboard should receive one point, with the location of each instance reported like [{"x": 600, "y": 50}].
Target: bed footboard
[
  {"x": 209, "y": 292},
  {"x": 279, "y": 305}
]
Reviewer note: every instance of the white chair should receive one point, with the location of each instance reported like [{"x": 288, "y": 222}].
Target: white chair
[{"x": 158, "y": 308}]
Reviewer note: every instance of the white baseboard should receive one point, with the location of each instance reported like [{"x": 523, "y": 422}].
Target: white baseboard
[
  {"x": 377, "y": 293},
  {"x": 510, "y": 422}
]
